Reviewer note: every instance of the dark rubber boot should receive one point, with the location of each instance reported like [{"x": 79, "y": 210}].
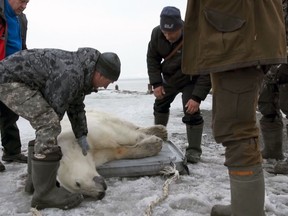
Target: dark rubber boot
[
  {"x": 221, "y": 210},
  {"x": 47, "y": 194},
  {"x": 20, "y": 158},
  {"x": 161, "y": 118},
  {"x": 194, "y": 137},
  {"x": 272, "y": 133},
  {"x": 29, "y": 184},
  {"x": 281, "y": 167},
  {"x": 2, "y": 167}
]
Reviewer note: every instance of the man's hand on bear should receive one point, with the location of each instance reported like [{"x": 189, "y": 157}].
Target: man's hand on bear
[{"x": 82, "y": 141}]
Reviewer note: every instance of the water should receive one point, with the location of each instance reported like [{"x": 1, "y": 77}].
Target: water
[{"x": 140, "y": 85}]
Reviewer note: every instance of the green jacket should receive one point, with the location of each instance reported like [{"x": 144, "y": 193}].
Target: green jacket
[{"x": 221, "y": 35}]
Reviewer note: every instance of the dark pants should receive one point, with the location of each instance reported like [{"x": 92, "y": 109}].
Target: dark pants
[
  {"x": 274, "y": 96},
  {"x": 163, "y": 105},
  {"x": 10, "y": 137}
]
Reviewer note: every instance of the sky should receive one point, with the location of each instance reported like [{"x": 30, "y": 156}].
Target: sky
[
  {"x": 120, "y": 26},
  {"x": 190, "y": 195}
]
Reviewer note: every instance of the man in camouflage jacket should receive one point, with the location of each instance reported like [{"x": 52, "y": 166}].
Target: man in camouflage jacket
[{"x": 40, "y": 85}]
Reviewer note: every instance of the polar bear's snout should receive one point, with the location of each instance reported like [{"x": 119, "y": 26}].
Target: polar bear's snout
[
  {"x": 99, "y": 180},
  {"x": 94, "y": 187}
]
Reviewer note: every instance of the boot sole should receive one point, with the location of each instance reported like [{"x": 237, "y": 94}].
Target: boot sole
[
  {"x": 13, "y": 160},
  {"x": 43, "y": 205}
]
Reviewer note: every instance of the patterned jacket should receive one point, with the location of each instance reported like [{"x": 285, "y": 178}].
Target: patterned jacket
[{"x": 63, "y": 78}]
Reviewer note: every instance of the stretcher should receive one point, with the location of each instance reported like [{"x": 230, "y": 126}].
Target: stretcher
[{"x": 170, "y": 155}]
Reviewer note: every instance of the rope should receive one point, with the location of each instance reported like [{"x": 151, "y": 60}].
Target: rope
[{"x": 167, "y": 171}]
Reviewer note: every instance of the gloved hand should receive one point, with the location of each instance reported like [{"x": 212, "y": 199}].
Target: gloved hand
[{"x": 82, "y": 141}]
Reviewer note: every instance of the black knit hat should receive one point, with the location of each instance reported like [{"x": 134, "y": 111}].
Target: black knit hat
[
  {"x": 170, "y": 19},
  {"x": 109, "y": 65}
]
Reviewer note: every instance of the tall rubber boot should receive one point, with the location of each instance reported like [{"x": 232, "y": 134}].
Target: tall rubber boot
[
  {"x": 272, "y": 133},
  {"x": 29, "y": 188},
  {"x": 2, "y": 167},
  {"x": 194, "y": 137},
  {"x": 46, "y": 193},
  {"x": 161, "y": 118},
  {"x": 281, "y": 167},
  {"x": 247, "y": 193}
]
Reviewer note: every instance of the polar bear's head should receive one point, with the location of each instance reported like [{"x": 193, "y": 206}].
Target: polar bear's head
[{"x": 77, "y": 173}]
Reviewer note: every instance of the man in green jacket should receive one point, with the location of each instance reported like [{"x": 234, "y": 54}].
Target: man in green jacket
[{"x": 232, "y": 40}]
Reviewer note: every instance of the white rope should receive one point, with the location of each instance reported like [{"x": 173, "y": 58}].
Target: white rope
[
  {"x": 167, "y": 171},
  {"x": 35, "y": 212}
]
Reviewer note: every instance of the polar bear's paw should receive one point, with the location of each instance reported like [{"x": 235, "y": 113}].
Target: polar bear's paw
[
  {"x": 157, "y": 130},
  {"x": 150, "y": 146},
  {"x": 147, "y": 147}
]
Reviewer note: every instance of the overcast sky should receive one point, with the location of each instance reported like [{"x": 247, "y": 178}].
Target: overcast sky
[{"x": 121, "y": 26}]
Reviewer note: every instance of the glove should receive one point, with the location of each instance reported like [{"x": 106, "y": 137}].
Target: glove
[{"x": 82, "y": 141}]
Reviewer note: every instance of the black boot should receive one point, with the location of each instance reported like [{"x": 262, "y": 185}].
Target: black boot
[
  {"x": 29, "y": 184},
  {"x": 194, "y": 137},
  {"x": 281, "y": 167},
  {"x": 20, "y": 158},
  {"x": 161, "y": 118},
  {"x": 272, "y": 133},
  {"x": 221, "y": 210},
  {"x": 2, "y": 167},
  {"x": 47, "y": 194}
]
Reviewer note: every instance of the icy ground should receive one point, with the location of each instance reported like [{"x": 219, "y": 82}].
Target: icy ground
[{"x": 192, "y": 195}]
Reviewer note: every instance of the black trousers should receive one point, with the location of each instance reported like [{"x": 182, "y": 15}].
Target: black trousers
[
  {"x": 10, "y": 136},
  {"x": 163, "y": 105}
]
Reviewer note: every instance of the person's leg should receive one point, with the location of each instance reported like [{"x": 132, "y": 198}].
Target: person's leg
[
  {"x": 10, "y": 137},
  {"x": 235, "y": 95},
  {"x": 281, "y": 167},
  {"x": 272, "y": 133},
  {"x": 161, "y": 107},
  {"x": 2, "y": 167},
  {"x": 29, "y": 188},
  {"x": 31, "y": 105},
  {"x": 271, "y": 124},
  {"x": 194, "y": 128}
]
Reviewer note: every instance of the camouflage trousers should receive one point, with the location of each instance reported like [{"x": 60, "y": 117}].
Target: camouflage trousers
[{"x": 30, "y": 105}]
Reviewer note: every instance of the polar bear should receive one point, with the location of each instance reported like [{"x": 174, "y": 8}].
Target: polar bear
[{"x": 110, "y": 138}]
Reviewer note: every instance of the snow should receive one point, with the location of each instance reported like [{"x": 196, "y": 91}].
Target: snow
[{"x": 193, "y": 194}]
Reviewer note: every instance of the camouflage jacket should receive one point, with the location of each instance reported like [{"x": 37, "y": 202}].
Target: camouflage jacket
[{"x": 63, "y": 78}]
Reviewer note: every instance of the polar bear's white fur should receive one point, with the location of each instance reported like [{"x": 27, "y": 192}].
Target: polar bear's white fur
[{"x": 110, "y": 138}]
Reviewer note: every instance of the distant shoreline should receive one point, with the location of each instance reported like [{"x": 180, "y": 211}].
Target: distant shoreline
[{"x": 131, "y": 84}]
